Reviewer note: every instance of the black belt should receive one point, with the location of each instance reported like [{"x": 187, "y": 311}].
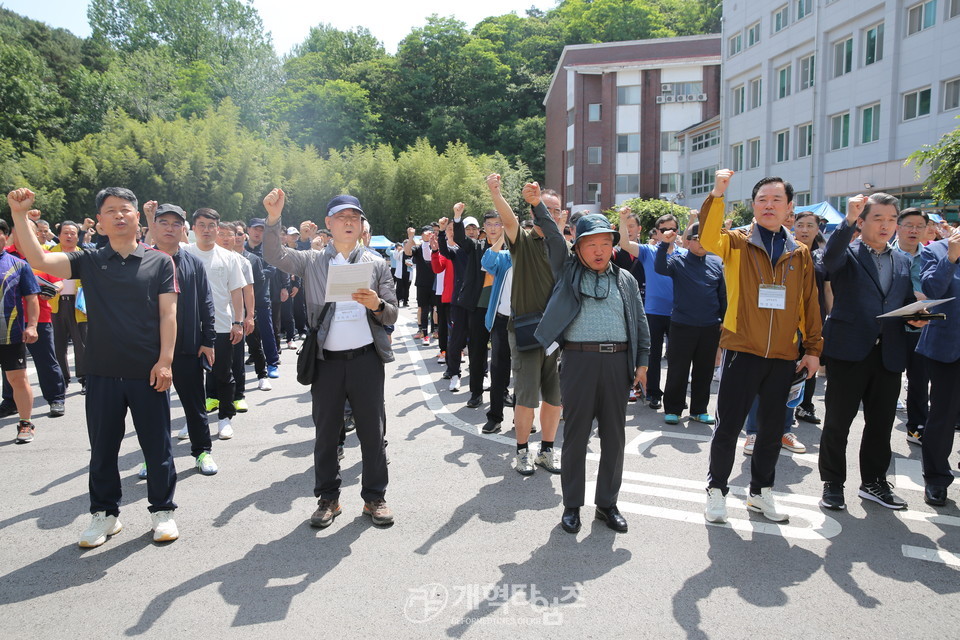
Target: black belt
[
  {"x": 502, "y": 315},
  {"x": 67, "y": 296},
  {"x": 596, "y": 347},
  {"x": 349, "y": 354}
]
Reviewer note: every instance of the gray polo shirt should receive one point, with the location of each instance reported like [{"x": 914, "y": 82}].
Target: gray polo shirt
[{"x": 122, "y": 297}]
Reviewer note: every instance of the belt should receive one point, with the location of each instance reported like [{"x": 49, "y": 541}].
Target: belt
[
  {"x": 596, "y": 347},
  {"x": 349, "y": 354},
  {"x": 67, "y": 296}
]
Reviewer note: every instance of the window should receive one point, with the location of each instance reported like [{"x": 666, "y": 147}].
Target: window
[
  {"x": 804, "y": 8},
  {"x": 628, "y": 95},
  {"x": 688, "y": 88},
  {"x": 838, "y": 202},
  {"x": 842, "y": 57},
  {"x": 628, "y": 183},
  {"x": 593, "y": 155},
  {"x": 570, "y": 117},
  {"x": 951, "y": 93},
  {"x": 874, "y": 44},
  {"x": 628, "y": 143},
  {"x": 753, "y": 155},
  {"x": 801, "y": 198},
  {"x": 780, "y": 18},
  {"x": 670, "y": 183},
  {"x": 783, "y": 81},
  {"x": 954, "y": 9},
  {"x": 668, "y": 141},
  {"x": 593, "y": 192},
  {"x": 593, "y": 112},
  {"x": 756, "y": 93},
  {"x": 705, "y": 140},
  {"x": 807, "y": 71},
  {"x": 870, "y": 124},
  {"x": 702, "y": 181},
  {"x": 736, "y": 157},
  {"x": 570, "y": 158},
  {"x": 753, "y": 34},
  {"x": 921, "y": 16},
  {"x": 735, "y": 45},
  {"x": 916, "y": 104},
  {"x": 840, "y": 131},
  {"x": 739, "y": 100},
  {"x": 783, "y": 145},
  {"x": 804, "y": 140}
]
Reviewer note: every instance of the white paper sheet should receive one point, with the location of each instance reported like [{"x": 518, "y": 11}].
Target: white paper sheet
[
  {"x": 915, "y": 307},
  {"x": 343, "y": 280}
]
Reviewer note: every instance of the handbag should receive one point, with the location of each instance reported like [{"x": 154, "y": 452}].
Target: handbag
[
  {"x": 308, "y": 351},
  {"x": 524, "y": 327}
]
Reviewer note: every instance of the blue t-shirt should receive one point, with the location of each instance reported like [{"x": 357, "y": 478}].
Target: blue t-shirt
[
  {"x": 18, "y": 281},
  {"x": 659, "y": 300}
]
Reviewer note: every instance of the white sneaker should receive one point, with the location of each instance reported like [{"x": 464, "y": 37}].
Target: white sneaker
[
  {"x": 525, "y": 465},
  {"x": 716, "y": 510},
  {"x": 164, "y": 528},
  {"x": 225, "y": 429},
  {"x": 101, "y": 527},
  {"x": 764, "y": 504},
  {"x": 454, "y": 383},
  {"x": 749, "y": 444},
  {"x": 486, "y": 382},
  {"x": 264, "y": 385},
  {"x": 183, "y": 434},
  {"x": 206, "y": 464},
  {"x": 790, "y": 442},
  {"x": 549, "y": 460},
  {"x": 142, "y": 473}
]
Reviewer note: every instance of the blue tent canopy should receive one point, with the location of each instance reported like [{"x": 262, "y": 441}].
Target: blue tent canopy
[
  {"x": 824, "y": 210},
  {"x": 380, "y": 242}
]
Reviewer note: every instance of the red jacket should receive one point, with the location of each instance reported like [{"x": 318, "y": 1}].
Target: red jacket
[{"x": 443, "y": 265}]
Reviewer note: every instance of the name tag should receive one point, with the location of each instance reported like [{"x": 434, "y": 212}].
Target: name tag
[
  {"x": 348, "y": 311},
  {"x": 772, "y": 296}
]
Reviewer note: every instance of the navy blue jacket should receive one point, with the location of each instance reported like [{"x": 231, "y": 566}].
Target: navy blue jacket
[
  {"x": 699, "y": 290},
  {"x": 940, "y": 278},
  {"x": 194, "y": 306},
  {"x": 853, "y": 328}
]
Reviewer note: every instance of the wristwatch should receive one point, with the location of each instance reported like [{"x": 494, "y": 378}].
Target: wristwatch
[{"x": 383, "y": 304}]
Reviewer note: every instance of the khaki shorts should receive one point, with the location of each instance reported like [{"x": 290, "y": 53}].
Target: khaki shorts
[{"x": 535, "y": 375}]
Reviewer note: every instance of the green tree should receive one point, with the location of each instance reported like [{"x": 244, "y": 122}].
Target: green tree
[
  {"x": 331, "y": 115},
  {"x": 943, "y": 161},
  {"x": 29, "y": 104},
  {"x": 611, "y": 20},
  {"x": 649, "y": 210}
]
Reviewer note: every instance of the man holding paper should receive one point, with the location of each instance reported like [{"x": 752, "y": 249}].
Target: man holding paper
[
  {"x": 354, "y": 346},
  {"x": 866, "y": 354}
]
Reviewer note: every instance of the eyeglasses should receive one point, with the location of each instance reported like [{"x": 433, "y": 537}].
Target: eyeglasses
[
  {"x": 493, "y": 225},
  {"x": 662, "y": 229},
  {"x": 689, "y": 238},
  {"x": 913, "y": 227}
]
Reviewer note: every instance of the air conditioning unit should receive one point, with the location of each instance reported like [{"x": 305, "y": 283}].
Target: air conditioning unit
[
  {"x": 666, "y": 88},
  {"x": 669, "y": 98},
  {"x": 681, "y": 98},
  {"x": 691, "y": 97},
  {"x": 702, "y": 97},
  {"x": 660, "y": 99}
]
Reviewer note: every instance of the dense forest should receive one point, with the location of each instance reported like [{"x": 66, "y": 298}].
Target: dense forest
[{"x": 187, "y": 102}]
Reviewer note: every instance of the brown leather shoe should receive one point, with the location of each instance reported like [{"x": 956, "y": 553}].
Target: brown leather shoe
[
  {"x": 326, "y": 511},
  {"x": 379, "y": 512}
]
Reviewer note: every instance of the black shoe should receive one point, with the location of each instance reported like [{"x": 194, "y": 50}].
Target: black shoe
[
  {"x": 83, "y": 388},
  {"x": 655, "y": 403},
  {"x": 492, "y": 426},
  {"x": 832, "y": 496},
  {"x": 611, "y": 515},
  {"x": 570, "y": 520},
  {"x": 475, "y": 401},
  {"x": 935, "y": 496},
  {"x": 807, "y": 416},
  {"x": 509, "y": 400},
  {"x": 879, "y": 491},
  {"x": 348, "y": 423},
  {"x": 7, "y": 410},
  {"x": 446, "y": 375},
  {"x": 340, "y": 452}
]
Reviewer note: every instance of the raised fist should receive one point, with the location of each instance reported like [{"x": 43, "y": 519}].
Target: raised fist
[
  {"x": 855, "y": 207},
  {"x": 20, "y": 201},
  {"x": 273, "y": 202},
  {"x": 531, "y": 193},
  {"x": 721, "y": 181},
  {"x": 494, "y": 182},
  {"x": 458, "y": 209}
]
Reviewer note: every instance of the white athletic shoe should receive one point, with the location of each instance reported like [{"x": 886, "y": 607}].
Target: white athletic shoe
[
  {"x": 225, "y": 429},
  {"x": 164, "y": 528},
  {"x": 264, "y": 385},
  {"x": 748, "y": 445},
  {"x": 101, "y": 527},
  {"x": 183, "y": 434},
  {"x": 764, "y": 504},
  {"x": 716, "y": 510},
  {"x": 454, "y": 383}
]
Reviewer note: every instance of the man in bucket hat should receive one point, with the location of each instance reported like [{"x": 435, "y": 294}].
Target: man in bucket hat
[{"x": 596, "y": 316}]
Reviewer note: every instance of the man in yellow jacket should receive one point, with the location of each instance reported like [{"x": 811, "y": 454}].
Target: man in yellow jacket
[{"x": 771, "y": 307}]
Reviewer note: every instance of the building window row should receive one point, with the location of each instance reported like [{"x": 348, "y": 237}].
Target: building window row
[
  {"x": 629, "y": 94},
  {"x": 705, "y": 140},
  {"x": 701, "y": 181},
  {"x": 921, "y": 16},
  {"x": 628, "y": 143},
  {"x": 628, "y": 183}
]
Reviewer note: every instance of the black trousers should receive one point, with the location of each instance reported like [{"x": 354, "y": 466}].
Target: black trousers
[
  {"x": 593, "y": 386},
  {"x": 300, "y": 312},
  {"x": 275, "y": 318},
  {"x": 188, "y": 382},
  {"x": 918, "y": 383},
  {"x": 403, "y": 290},
  {"x": 107, "y": 402},
  {"x": 938, "y": 432},
  {"x": 255, "y": 347},
  {"x": 469, "y": 326},
  {"x": 849, "y": 384},
  {"x": 220, "y": 380},
  {"x": 443, "y": 322},
  {"x": 425, "y": 307},
  {"x": 289, "y": 331},
  {"x": 745, "y": 376},
  {"x": 49, "y": 375},
  {"x": 361, "y": 382},
  {"x": 696, "y": 346},
  {"x": 659, "y": 329},
  {"x": 65, "y": 326},
  {"x": 499, "y": 367},
  {"x": 239, "y": 371}
]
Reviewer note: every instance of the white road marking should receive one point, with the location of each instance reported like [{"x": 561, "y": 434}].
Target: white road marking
[{"x": 931, "y": 555}]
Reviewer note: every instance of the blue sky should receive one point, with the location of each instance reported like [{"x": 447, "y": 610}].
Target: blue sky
[{"x": 290, "y": 20}]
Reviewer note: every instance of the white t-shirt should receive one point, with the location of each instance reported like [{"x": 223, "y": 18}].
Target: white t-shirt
[
  {"x": 225, "y": 275},
  {"x": 503, "y": 306},
  {"x": 349, "y": 328}
]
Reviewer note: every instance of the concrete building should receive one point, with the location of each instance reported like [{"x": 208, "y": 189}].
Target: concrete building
[
  {"x": 613, "y": 112},
  {"x": 833, "y": 95}
]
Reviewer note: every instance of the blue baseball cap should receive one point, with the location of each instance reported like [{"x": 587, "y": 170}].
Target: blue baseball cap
[
  {"x": 257, "y": 222},
  {"x": 593, "y": 224},
  {"x": 340, "y": 203}
]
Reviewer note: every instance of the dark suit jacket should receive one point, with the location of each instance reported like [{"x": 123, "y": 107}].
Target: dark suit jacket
[
  {"x": 940, "y": 278},
  {"x": 853, "y": 328}
]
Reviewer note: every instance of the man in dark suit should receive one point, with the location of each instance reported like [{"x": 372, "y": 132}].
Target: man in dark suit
[{"x": 867, "y": 354}]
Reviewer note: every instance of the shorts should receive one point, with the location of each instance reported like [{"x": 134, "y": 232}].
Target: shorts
[
  {"x": 13, "y": 357},
  {"x": 425, "y": 296},
  {"x": 535, "y": 375}
]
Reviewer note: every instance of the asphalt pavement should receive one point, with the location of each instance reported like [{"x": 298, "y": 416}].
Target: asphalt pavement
[{"x": 476, "y": 551}]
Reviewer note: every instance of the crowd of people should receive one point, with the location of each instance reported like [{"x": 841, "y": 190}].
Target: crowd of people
[{"x": 565, "y": 317}]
